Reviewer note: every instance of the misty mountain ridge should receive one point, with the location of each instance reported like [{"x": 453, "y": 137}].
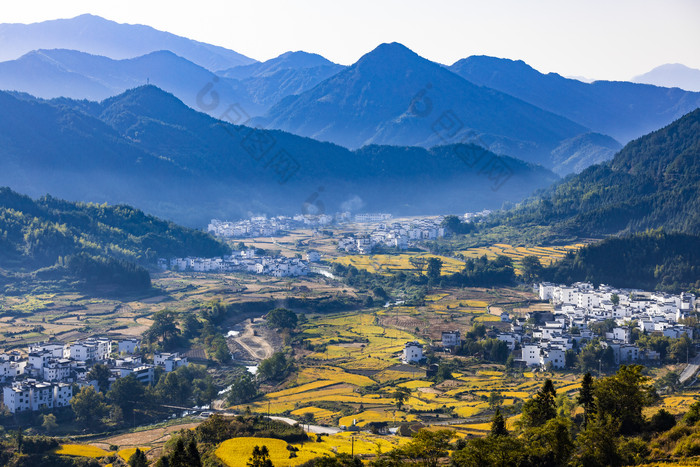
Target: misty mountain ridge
[
  {"x": 622, "y": 110},
  {"x": 653, "y": 182},
  {"x": 672, "y": 75},
  {"x": 146, "y": 148},
  {"x": 378, "y": 101},
  {"x": 99, "y": 36}
]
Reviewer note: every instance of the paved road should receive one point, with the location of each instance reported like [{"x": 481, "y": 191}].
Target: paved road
[
  {"x": 309, "y": 428},
  {"x": 690, "y": 370}
]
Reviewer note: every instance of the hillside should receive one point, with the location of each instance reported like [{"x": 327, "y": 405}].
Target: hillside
[
  {"x": 648, "y": 261},
  {"x": 652, "y": 182},
  {"x": 98, "y": 244},
  {"x": 99, "y": 36},
  {"x": 393, "y": 96},
  {"x": 619, "y": 109},
  {"x": 147, "y": 149}
]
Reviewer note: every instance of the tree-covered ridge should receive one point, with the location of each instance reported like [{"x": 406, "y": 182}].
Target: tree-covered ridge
[
  {"x": 652, "y": 182},
  {"x": 651, "y": 260},
  {"x": 100, "y": 243}
]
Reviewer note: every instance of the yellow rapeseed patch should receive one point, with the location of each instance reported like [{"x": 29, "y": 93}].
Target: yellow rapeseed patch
[{"x": 81, "y": 450}]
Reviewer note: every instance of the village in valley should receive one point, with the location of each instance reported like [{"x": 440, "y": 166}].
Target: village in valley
[{"x": 458, "y": 353}]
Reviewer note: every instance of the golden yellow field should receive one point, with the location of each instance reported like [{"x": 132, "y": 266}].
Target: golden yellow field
[
  {"x": 82, "y": 450},
  {"x": 236, "y": 452},
  {"x": 388, "y": 264},
  {"x": 546, "y": 254}
]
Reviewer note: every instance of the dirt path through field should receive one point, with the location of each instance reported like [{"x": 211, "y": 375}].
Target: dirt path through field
[
  {"x": 154, "y": 438},
  {"x": 256, "y": 346}
]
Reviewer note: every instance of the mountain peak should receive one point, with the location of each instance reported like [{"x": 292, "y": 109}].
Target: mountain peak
[
  {"x": 672, "y": 75},
  {"x": 389, "y": 56}
]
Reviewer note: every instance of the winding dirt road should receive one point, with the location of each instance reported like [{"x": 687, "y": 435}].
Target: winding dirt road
[{"x": 256, "y": 346}]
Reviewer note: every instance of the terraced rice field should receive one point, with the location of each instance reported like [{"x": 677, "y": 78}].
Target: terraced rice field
[
  {"x": 388, "y": 264},
  {"x": 546, "y": 254},
  {"x": 236, "y": 452}
]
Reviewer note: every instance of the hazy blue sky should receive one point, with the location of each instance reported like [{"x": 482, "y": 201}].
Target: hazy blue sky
[{"x": 603, "y": 39}]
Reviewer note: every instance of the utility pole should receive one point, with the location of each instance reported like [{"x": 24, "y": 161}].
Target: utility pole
[{"x": 352, "y": 446}]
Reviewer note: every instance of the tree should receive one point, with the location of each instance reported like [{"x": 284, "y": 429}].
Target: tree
[
  {"x": 498, "y": 425},
  {"x": 597, "y": 445},
  {"x": 138, "y": 459},
  {"x": 163, "y": 330},
  {"x": 101, "y": 374},
  {"x": 662, "y": 420},
  {"x": 127, "y": 393},
  {"x": 191, "y": 326},
  {"x": 495, "y": 399},
  {"x": 89, "y": 406},
  {"x": 401, "y": 395},
  {"x": 550, "y": 444},
  {"x": 260, "y": 457},
  {"x": 693, "y": 415},
  {"x": 541, "y": 408},
  {"x": 281, "y": 318},
  {"x": 429, "y": 446},
  {"x": 242, "y": 390},
  {"x": 623, "y": 396},
  {"x": 19, "y": 439},
  {"x": 531, "y": 268},
  {"x": 491, "y": 451},
  {"x": 418, "y": 262},
  {"x": 185, "y": 456},
  {"x": 193, "y": 457},
  {"x": 434, "y": 269},
  {"x": 274, "y": 368},
  {"x": 615, "y": 299},
  {"x": 586, "y": 398},
  {"x": 49, "y": 424}
]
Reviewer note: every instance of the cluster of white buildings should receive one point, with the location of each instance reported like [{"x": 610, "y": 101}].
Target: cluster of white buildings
[
  {"x": 243, "y": 261},
  {"x": 397, "y": 235},
  {"x": 44, "y": 377},
  {"x": 262, "y": 226},
  {"x": 475, "y": 216},
  {"x": 372, "y": 217},
  {"x": 253, "y": 227},
  {"x": 578, "y": 306}
]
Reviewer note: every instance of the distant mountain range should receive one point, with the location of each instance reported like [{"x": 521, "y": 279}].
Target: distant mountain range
[
  {"x": 78, "y": 75},
  {"x": 391, "y": 96},
  {"x": 146, "y": 148},
  {"x": 672, "y": 75},
  {"x": 291, "y": 73},
  {"x": 618, "y": 109},
  {"x": 653, "y": 182},
  {"x": 98, "y": 36}
]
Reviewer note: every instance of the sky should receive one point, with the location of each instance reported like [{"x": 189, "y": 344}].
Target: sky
[{"x": 598, "y": 39}]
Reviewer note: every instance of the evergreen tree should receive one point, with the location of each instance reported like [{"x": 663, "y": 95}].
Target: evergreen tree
[
  {"x": 498, "y": 425},
  {"x": 586, "y": 398},
  {"x": 138, "y": 459},
  {"x": 193, "y": 457},
  {"x": 541, "y": 408}
]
